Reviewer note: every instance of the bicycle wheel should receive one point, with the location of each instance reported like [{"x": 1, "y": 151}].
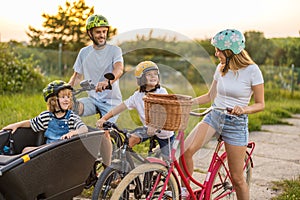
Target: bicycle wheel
[
  {"x": 107, "y": 183},
  {"x": 98, "y": 168},
  {"x": 220, "y": 184},
  {"x": 146, "y": 181}
]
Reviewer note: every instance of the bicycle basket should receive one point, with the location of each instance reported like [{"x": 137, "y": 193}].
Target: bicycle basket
[{"x": 167, "y": 111}]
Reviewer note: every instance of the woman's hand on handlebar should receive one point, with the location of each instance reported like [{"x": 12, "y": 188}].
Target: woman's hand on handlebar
[{"x": 237, "y": 110}]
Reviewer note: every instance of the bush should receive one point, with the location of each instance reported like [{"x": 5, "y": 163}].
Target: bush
[{"x": 18, "y": 74}]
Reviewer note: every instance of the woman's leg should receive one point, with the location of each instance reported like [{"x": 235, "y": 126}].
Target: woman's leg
[
  {"x": 236, "y": 156},
  {"x": 200, "y": 135}
]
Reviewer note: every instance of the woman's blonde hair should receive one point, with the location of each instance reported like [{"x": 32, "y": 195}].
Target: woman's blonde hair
[
  {"x": 52, "y": 102},
  {"x": 237, "y": 61}
]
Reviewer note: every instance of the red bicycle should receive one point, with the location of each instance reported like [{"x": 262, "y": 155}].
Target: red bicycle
[{"x": 160, "y": 180}]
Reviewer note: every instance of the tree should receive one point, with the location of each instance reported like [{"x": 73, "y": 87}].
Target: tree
[
  {"x": 257, "y": 46},
  {"x": 66, "y": 27}
]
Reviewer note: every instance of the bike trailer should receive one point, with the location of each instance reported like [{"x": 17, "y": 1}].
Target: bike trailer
[{"x": 52, "y": 171}]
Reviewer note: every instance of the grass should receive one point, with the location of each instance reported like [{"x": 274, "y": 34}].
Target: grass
[
  {"x": 289, "y": 189},
  {"x": 279, "y": 105}
]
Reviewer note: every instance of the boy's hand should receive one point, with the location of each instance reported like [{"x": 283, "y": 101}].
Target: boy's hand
[
  {"x": 68, "y": 135},
  {"x": 12, "y": 127}
]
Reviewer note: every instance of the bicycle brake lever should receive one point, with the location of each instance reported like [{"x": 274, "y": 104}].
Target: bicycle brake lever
[{"x": 229, "y": 110}]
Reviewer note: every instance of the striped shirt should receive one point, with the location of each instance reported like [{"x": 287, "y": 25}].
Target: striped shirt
[{"x": 40, "y": 122}]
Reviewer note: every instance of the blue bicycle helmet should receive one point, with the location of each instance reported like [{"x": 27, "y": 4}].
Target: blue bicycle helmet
[{"x": 229, "y": 39}]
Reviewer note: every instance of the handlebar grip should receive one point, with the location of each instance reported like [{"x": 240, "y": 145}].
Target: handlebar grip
[
  {"x": 109, "y": 87},
  {"x": 107, "y": 125}
]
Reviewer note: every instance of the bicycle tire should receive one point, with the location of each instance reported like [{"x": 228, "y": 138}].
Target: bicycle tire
[
  {"x": 220, "y": 184},
  {"x": 139, "y": 182},
  {"x": 106, "y": 183},
  {"x": 98, "y": 168}
]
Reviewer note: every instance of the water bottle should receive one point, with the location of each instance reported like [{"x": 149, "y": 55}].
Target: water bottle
[{"x": 5, "y": 150}]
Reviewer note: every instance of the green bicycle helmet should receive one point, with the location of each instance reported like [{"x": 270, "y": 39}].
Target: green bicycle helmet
[
  {"x": 229, "y": 39},
  {"x": 96, "y": 21},
  {"x": 142, "y": 68},
  {"x": 53, "y": 88}
]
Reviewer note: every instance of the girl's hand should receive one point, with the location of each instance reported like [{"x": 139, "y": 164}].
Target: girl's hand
[
  {"x": 99, "y": 123},
  {"x": 151, "y": 131}
]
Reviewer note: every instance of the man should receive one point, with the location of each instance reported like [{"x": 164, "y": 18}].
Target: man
[{"x": 92, "y": 63}]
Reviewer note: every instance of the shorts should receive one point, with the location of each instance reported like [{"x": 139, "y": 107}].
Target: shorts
[
  {"x": 165, "y": 145},
  {"x": 93, "y": 106},
  {"x": 232, "y": 128}
]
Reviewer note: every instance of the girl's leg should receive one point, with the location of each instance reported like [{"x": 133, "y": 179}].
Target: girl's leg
[
  {"x": 165, "y": 145},
  {"x": 133, "y": 140},
  {"x": 106, "y": 148},
  {"x": 236, "y": 156},
  {"x": 200, "y": 135}
]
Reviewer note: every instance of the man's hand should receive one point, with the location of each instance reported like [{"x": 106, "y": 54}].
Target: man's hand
[{"x": 101, "y": 86}]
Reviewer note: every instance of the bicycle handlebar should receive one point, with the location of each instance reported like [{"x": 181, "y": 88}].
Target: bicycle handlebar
[
  {"x": 109, "y": 125},
  {"x": 196, "y": 112},
  {"x": 87, "y": 85}
]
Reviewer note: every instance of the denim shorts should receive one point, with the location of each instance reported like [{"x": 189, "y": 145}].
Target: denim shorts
[
  {"x": 92, "y": 106},
  {"x": 164, "y": 144},
  {"x": 232, "y": 128}
]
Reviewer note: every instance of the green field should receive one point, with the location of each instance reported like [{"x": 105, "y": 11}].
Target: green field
[{"x": 279, "y": 105}]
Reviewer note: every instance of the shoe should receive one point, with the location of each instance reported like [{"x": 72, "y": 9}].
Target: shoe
[
  {"x": 168, "y": 193},
  {"x": 184, "y": 193}
]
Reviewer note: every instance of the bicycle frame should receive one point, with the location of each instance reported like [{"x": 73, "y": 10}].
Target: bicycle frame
[
  {"x": 123, "y": 164},
  {"x": 186, "y": 176}
]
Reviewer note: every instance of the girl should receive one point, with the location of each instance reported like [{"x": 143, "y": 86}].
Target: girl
[{"x": 147, "y": 75}]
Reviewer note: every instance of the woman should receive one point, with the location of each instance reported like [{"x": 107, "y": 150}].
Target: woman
[{"x": 236, "y": 78}]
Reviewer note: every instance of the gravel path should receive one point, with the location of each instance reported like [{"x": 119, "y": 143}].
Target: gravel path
[{"x": 276, "y": 157}]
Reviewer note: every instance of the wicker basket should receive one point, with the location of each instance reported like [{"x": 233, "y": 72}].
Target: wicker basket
[{"x": 167, "y": 111}]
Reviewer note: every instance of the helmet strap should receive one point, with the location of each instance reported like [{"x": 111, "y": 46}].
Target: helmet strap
[
  {"x": 227, "y": 61},
  {"x": 60, "y": 108}
]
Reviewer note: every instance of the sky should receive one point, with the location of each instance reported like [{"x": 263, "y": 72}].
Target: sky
[{"x": 195, "y": 19}]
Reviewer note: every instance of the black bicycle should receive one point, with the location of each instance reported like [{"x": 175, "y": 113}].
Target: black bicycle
[
  {"x": 125, "y": 160},
  {"x": 116, "y": 138}
]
